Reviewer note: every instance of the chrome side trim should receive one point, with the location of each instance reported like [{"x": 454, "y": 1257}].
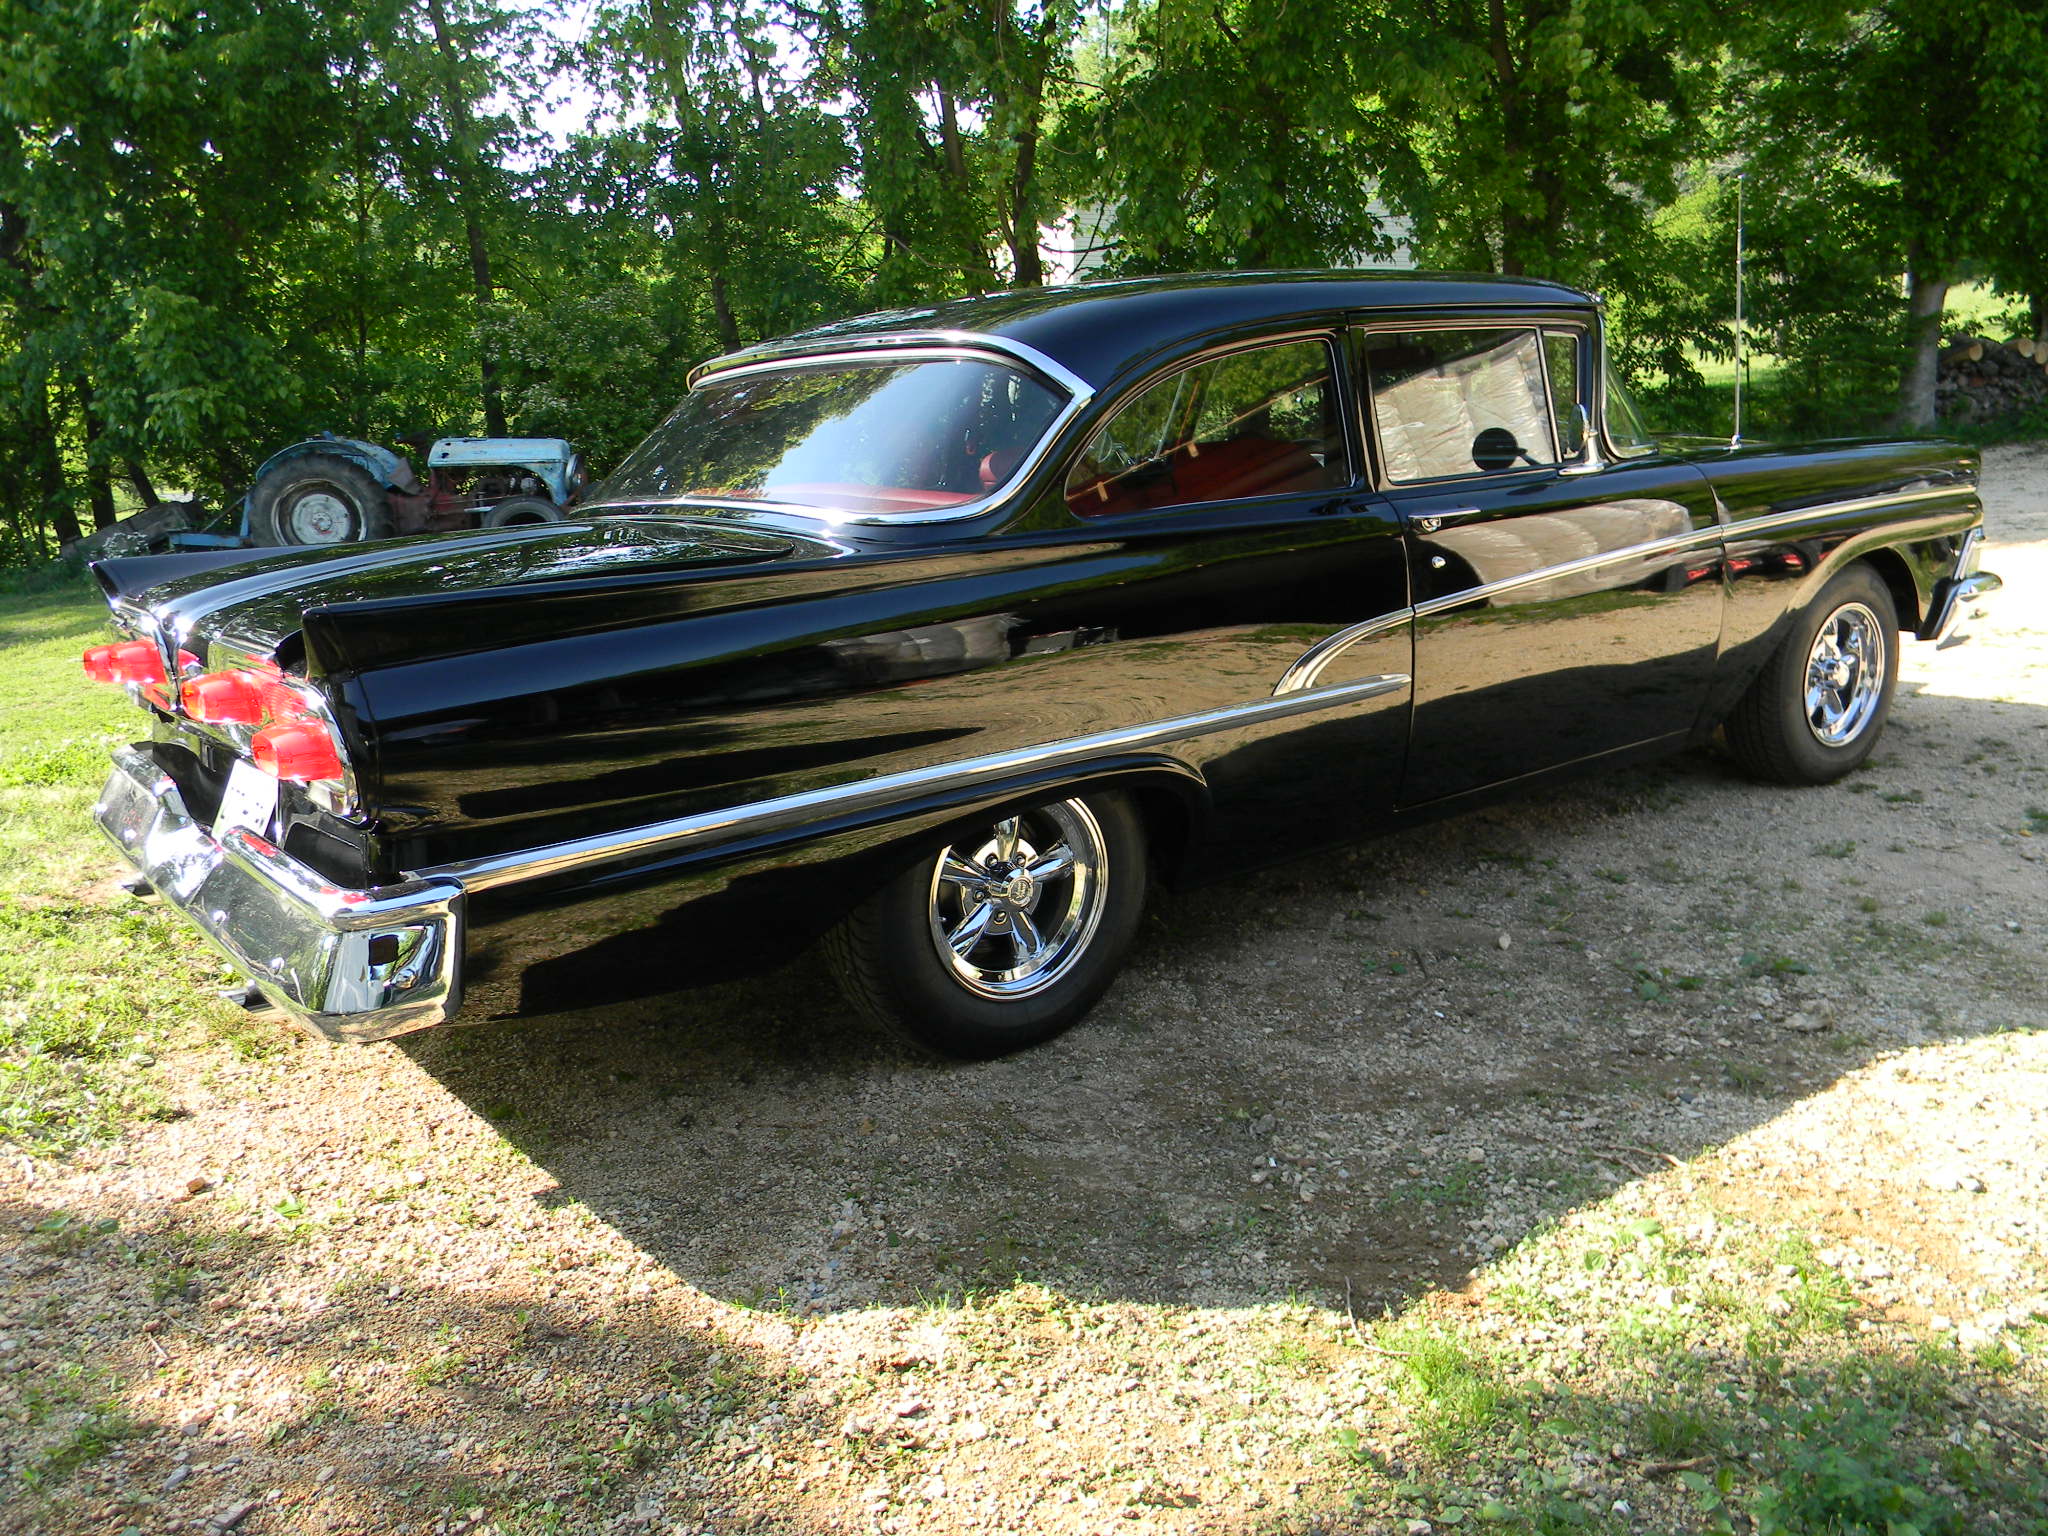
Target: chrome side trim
[
  {"x": 1677, "y": 541},
  {"x": 344, "y": 964},
  {"x": 1770, "y": 522},
  {"x": 825, "y": 349},
  {"x": 180, "y": 617},
  {"x": 710, "y": 828},
  {"x": 1307, "y": 669},
  {"x": 907, "y": 345}
]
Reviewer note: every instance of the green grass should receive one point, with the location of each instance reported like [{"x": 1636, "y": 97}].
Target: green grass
[
  {"x": 1715, "y": 1371},
  {"x": 92, "y": 983}
]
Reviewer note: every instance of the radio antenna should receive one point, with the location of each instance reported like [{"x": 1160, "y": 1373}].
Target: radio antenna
[{"x": 1735, "y": 441}]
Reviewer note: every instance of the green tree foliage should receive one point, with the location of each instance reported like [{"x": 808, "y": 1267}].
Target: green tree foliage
[
  {"x": 148, "y": 157},
  {"x": 226, "y": 225},
  {"x": 1249, "y": 133},
  {"x": 1912, "y": 137}
]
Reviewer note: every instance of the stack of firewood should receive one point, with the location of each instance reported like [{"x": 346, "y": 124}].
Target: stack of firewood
[{"x": 1980, "y": 379}]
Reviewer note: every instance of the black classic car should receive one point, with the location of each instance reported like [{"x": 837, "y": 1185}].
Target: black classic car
[{"x": 939, "y": 634}]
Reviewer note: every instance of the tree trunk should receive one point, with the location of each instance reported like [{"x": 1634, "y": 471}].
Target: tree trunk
[
  {"x": 949, "y": 136},
  {"x": 462, "y": 133},
  {"x": 54, "y": 500},
  {"x": 1927, "y": 296},
  {"x": 1027, "y": 263},
  {"x": 99, "y": 475},
  {"x": 1513, "y": 238},
  {"x": 138, "y": 478},
  {"x": 721, "y": 310}
]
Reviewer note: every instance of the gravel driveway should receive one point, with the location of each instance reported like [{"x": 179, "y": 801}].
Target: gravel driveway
[{"x": 733, "y": 1263}]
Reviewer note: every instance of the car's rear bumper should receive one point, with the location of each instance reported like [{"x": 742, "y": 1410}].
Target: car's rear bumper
[
  {"x": 345, "y": 964},
  {"x": 1957, "y": 592}
]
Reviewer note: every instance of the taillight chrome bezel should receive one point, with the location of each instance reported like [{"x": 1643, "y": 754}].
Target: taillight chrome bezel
[
  {"x": 289, "y": 697},
  {"x": 286, "y": 697}
]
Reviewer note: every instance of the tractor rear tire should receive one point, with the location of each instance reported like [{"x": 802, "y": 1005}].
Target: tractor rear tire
[
  {"x": 319, "y": 499},
  {"x": 515, "y": 511}
]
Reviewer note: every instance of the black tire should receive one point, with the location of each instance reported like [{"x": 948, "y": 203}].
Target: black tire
[
  {"x": 319, "y": 499},
  {"x": 1776, "y": 732},
  {"x": 888, "y": 954},
  {"x": 515, "y": 510}
]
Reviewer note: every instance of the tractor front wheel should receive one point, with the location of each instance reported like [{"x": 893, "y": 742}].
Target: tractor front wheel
[{"x": 514, "y": 511}]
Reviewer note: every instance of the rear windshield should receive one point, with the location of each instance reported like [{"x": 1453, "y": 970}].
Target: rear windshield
[{"x": 882, "y": 436}]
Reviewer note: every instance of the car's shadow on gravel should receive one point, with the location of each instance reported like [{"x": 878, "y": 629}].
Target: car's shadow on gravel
[{"x": 1356, "y": 1074}]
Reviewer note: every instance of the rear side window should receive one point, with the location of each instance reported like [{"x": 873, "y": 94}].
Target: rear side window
[
  {"x": 1459, "y": 402},
  {"x": 1261, "y": 422}
]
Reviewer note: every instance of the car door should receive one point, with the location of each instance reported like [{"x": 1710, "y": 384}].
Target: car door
[
  {"x": 1565, "y": 606},
  {"x": 1262, "y": 568}
]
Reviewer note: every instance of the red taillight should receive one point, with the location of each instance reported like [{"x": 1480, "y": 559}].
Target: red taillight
[
  {"x": 225, "y": 698},
  {"x": 99, "y": 662},
  {"x": 135, "y": 661},
  {"x": 298, "y": 750},
  {"x": 279, "y": 701}
]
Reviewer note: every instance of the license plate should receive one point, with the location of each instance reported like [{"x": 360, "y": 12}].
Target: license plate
[{"x": 249, "y": 802}]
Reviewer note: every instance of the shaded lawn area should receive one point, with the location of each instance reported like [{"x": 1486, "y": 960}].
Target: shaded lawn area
[{"x": 92, "y": 984}]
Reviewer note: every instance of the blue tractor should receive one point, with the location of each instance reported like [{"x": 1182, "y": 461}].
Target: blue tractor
[{"x": 339, "y": 490}]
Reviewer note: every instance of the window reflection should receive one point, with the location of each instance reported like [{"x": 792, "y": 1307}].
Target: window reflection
[
  {"x": 869, "y": 437},
  {"x": 1256, "y": 423},
  {"x": 1458, "y": 402}
]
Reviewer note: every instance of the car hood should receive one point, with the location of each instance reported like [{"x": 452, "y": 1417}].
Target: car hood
[{"x": 255, "y": 601}]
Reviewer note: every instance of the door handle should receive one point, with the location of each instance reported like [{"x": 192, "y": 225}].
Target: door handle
[{"x": 1436, "y": 520}]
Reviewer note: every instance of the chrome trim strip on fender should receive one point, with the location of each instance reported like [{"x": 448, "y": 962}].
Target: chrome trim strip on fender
[
  {"x": 1772, "y": 521},
  {"x": 180, "y": 617},
  {"x": 1672, "y": 544},
  {"x": 1307, "y": 669},
  {"x": 711, "y": 828},
  {"x": 825, "y": 349}
]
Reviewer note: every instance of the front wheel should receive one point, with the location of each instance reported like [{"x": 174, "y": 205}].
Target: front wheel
[
  {"x": 1003, "y": 937},
  {"x": 1819, "y": 705},
  {"x": 516, "y": 511}
]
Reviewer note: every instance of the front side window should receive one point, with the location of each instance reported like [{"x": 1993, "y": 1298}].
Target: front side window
[
  {"x": 1561, "y": 352},
  {"x": 1460, "y": 402},
  {"x": 891, "y": 435},
  {"x": 1262, "y": 422},
  {"x": 1625, "y": 427}
]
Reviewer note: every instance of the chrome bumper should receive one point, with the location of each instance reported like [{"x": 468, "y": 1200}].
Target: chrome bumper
[
  {"x": 1955, "y": 592},
  {"x": 344, "y": 964}
]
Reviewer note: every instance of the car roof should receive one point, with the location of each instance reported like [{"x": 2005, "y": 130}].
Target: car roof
[{"x": 1098, "y": 329}]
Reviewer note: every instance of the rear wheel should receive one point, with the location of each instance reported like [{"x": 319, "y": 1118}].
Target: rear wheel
[
  {"x": 1003, "y": 937},
  {"x": 316, "y": 499},
  {"x": 1819, "y": 705}
]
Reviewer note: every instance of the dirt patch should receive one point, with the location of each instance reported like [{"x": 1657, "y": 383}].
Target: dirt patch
[{"x": 732, "y": 1263}]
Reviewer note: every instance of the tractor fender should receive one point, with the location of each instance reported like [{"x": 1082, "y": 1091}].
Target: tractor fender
[{"x": 389, "y": 469}]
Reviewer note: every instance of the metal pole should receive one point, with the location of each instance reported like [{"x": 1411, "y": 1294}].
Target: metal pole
[{"x": 1736, "y": 440}]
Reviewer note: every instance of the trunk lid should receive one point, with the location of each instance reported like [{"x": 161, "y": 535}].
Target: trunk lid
[{"x": 255, "y": 601}]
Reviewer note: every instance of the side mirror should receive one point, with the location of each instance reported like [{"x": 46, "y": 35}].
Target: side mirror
[
  {"x": 1496, "y": 448},
  {"x": 1578, "y": 427}
]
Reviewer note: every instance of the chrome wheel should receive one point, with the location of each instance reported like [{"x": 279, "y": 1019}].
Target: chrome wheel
[
  {"x": 1012, "y": 913},
  {"x": 320, "y": 516},
  {"x": 1845, "y": 675}
]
